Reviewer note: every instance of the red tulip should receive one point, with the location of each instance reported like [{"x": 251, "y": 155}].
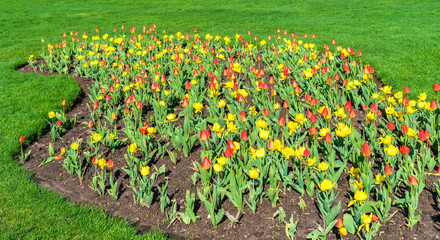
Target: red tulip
[
  {"x": 244, "y": 136},
  {"x": 348, "y": 106},
  {"x": 308, "y": 97},
  {"x": 433, "y": 105},
  {"x": 282, "y": 121},
  {"x": 391, "y": 126},
  {"x": 231, "y": 144},
  {"x": 422, "y": 135},
  {"x": 188, "y": 85},
  {"x": 306, "y": 153},
  {"x": 366, "y": 151},
  {"x": 406, "y": 90},
  {"x": 309, "y": 114},
  {"x": 240, "y": 98},
  {"x": 204, "y": 135},
  {"x": 59, "y": 123},
  {"x": 405, "y": 101},
  {"x": 339, "y": 223},
  {"x": 21, "y": 139},
  {"x": 325, "y": 112},
  {"x": 313, "y": 102},
  {"x": 206, "y": 164},
  {"x": 388, "y": 170},
  {"x": 139, "y": 105},
  {"x": 266, "y": 112},
  {"x": 328, "y": 138},
  {"x": 96, "y": 105},
  {"x": 185, "y": 102},
  {"x": 404, "y": 150},
  {"x": 243, "y": 116},
  {"x": 229, "y": 153},
  {"x": 352, "y": 113},
  {"x": 95, "y": 160},
  {"x": 436, "y": 87},
  {"x": 404, "y": 128},
  {"x": 313, "y": 118},
  {"x": 313, "y": 131},
  {"x": 63, "y": 102},
  {"x": 337, "y": 77},
  {"x": 413, "y": 181},
  {"x": 285, "y": 104},
  {"x": 90, "y": 124},
  {"x": 110, "y": 163}
]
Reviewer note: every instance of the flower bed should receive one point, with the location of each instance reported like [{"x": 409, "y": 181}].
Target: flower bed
[{"x": 222, "y": 130}]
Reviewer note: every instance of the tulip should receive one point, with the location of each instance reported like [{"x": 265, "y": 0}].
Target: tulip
[
  {"x": 204, "y": 135},
  {"x": 21, "y": 139},
  {"x": 188, "y": 85},
  {"x": 313, "y": 131},
  {"x": 388, "y": 170},
  {"x": 306, "y": 153},
  {"x": 96, "y": 105},
  {"x": 352, "y": 113},
  {"x": 405, "y": 101},
  {"x": 348, "y": 106},
  {"x": 282, "y": 121},
  {"x": 139, "y": 105},
  {"x": 95, "y": 160},
  {"x": 343, "y": 231},
  {"x": 436, "y": 87},
  {"x": 266, "y": 112},
  {"x": 110, "y": 163},
  {"x": 339, "y": 223},
  {"x": 59, "y": 123},
  {"x": 433, "y": 105},
  {"x": 413, "y": 181},
  {"x": 240, "y": 98},
  {"x": 313, "y": 118},
  {"x": 313, "y": 102},
  {"x": 325, "y": 112},
  {"x": 366, "y": 151},
  {"x": 391, "y": 126},
  {"x": 63, "y": 102},
  {"x": 328, "y": 138},
  {"x": 243, "y": 116},
  {"x": 406, "y": 90},
  {"x": 404, "y": 128},
  {"x": 229, "y": 153},
  {"x": 423, "y": 136},
  {"x": 185, "y": 102},
  {"x": 145, "y": 171},
  {"x": 244, "y": 136},
  {"x": 206, "y": 164}
]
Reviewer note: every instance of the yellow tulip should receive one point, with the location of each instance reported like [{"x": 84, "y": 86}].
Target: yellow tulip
[
  {"x": 74, "y": 146},
  {"x": 326, "y": 185},
  {"x": 145, "y": 171},
  {"x": 132, "y": 148},
  {"x": 391, "y": 150},
  {"x": 198, "y": 107},
  {"x": 254, "y": 173},
  {"x": 263, "y": 134},
  {"x": 51, "y": 114}
]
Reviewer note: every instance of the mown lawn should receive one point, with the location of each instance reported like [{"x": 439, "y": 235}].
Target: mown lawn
[{"x": 400, "y": 39}]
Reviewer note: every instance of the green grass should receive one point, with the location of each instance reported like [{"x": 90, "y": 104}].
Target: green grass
[{"x": 400, "y": 39}]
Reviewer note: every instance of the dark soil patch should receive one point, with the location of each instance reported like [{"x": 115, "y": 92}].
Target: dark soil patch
[{"x": 260, "y": 225}]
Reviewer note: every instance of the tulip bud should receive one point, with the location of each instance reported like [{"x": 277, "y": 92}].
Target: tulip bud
[
  {"x": 204, "y": 135},
  {"x": 313, "y": 118},
  {"x": 325, "y": 112},
  {"x": 391, "y": 126},
  {"x": 404, "y": 150},
  {"x": 139, "y": 105},
  {"x": 243, "y": 116},
  {"x": 187, "y": 85},
  {"x": 366, "y": 151},
  {"x": 110, "y": 163},
  {"x": 308, "y": 97},
  {"x": 59, "y": 123},
  {"x": 313, "y": 131},
  {"x": 21, "y": 139},
  {"x": 313, "y": 102},
  {"x": 388, "y": 170},
  {"x": 206, "y": 164},
  {"x": 96, "y": 105},
  {"x": 328, "y": 138},
  {"x": 436, "y": 87},
  {"x": 413, "y": 181},
  {"x": 229, "y": 153},
  {"x": 406, "y": 90},
  {"x": 266, "y": 112},
  {"x": 282, "y": 121},
  {"x": 240, "y": 98},
  {"x": 90, "y": 124},
  {"x": 404, "y": 128},
  {"x": 95, "y": 160},
  {"x": 285, "y": 104},
  {"x": 339, "y": 223},
  {"x": 433, "y": 105},
  {"x": 352, "y": 113},
  {"x": 343, "y": 231},
  {"x": 185, "y": 102},
  {"x": 306, "y": 153},
  {"x": 405, "y": 101},
  {"x": 63, "y": 102},
  {"x": 244, "y": 136}
]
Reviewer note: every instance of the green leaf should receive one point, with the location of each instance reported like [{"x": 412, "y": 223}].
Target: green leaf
[
  {"x": 47, "y": 160},
  {"x": 349, "y": 223}
]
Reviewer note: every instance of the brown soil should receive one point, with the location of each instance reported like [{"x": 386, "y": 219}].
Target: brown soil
[{"x": 260, "y": 225}]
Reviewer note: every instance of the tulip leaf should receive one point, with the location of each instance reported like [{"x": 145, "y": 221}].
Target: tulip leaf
[
  {"x": 47, "y": 160},
  {"x": 349, "y": 223}
]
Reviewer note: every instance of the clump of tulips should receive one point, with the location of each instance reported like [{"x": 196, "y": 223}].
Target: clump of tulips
[{"x": 271, "y": 115}]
